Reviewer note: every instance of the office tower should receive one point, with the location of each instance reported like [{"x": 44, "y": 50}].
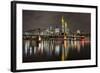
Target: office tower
[{"x": 62, "y": 21}]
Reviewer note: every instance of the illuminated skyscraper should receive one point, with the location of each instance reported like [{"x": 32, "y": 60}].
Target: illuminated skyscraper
[
  {"x": 65, "y": 29},
  {"x": 63, "y": 25}
]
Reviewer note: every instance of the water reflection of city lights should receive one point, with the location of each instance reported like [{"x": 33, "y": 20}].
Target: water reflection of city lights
[{"x": 53, "y": 47}]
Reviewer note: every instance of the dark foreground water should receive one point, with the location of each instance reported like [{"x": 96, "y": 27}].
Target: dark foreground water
[{"x": 55, "y": 50}]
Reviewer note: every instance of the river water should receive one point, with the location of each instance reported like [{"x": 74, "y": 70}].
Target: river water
[{"x": 56, "y": 50}]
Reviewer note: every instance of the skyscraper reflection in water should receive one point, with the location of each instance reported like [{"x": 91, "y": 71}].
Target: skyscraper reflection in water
[{"x": 53, "y": 50}]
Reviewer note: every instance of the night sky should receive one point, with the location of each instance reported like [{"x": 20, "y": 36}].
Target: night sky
[{"x": 43, "y": 19}]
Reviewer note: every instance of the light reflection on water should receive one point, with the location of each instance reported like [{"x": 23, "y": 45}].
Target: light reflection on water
[{"x": 52, "y": 47}]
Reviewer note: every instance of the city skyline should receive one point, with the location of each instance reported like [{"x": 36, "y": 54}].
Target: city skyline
[{"x": 44, "y": 19}]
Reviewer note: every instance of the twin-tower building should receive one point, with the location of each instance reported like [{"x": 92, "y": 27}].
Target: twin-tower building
[{"x": 65, "y": 28}]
